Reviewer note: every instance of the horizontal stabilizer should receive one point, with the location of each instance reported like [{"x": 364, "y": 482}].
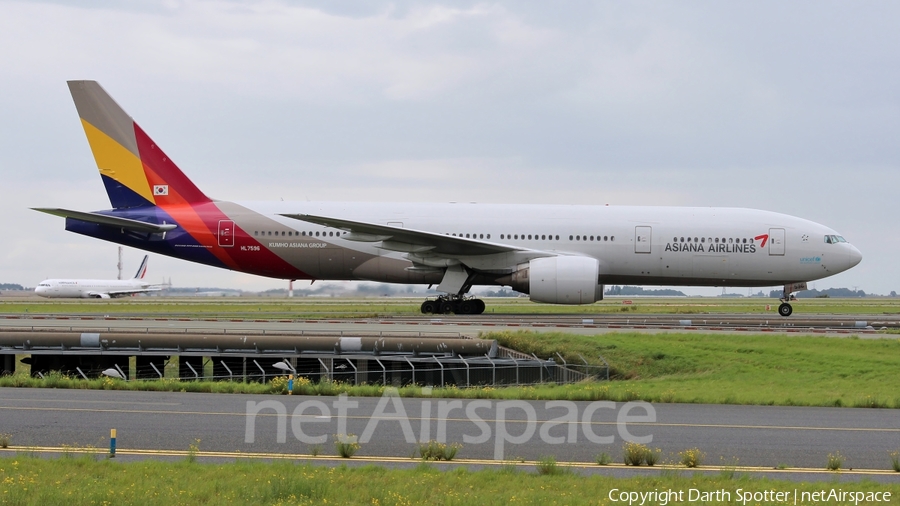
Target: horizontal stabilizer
[{"x": 113, "y": 221}]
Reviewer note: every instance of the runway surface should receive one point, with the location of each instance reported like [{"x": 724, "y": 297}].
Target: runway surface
[
  {"x": 166, "y": 424},
  {"x": 864, "y": 326}
]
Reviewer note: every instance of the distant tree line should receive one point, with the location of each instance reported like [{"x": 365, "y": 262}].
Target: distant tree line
[
  {"x": 503, "y": 292},
  {"x": 830, "y": 292},
  {"x": 636, "y": 290},
  {"x": 11, "y": 286}
]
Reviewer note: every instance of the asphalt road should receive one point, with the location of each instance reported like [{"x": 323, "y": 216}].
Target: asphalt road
[{"x": 764, "y": 436}]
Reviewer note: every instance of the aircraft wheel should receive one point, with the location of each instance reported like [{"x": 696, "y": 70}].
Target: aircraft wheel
[
  {"x": 479, "y": 306},
  {"x": 446, "y": 307},
  {"x": 467, "y": 307},
  {"x": 429, "y": 307},
  {"x": 785, "y": 309}
]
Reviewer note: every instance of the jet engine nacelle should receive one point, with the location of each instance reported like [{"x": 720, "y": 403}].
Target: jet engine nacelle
[
  {"x": 558, "y": 280},
  {"x": 98, "y": 295}
]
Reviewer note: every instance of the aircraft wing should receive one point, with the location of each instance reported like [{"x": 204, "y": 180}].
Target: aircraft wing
[
  {"x": 114, "y": 221},
  {"x": 410, "y": 240}
]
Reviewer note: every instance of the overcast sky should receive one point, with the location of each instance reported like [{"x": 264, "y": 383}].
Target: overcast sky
[{"x": 791, "y": 107}]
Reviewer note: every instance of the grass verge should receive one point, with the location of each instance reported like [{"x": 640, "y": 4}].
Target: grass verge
[
  {"x": 82, "y": 480},
  {"x": 728, "y": 368}
]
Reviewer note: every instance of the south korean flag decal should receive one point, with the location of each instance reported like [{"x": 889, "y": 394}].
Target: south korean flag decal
[{"x": 160, "y": 189}]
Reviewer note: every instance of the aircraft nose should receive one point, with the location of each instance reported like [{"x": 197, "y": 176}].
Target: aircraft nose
[{"x": 855, "y": 256}]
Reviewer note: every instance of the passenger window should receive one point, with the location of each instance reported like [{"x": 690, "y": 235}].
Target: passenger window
[{"x": 489, "y": 236}]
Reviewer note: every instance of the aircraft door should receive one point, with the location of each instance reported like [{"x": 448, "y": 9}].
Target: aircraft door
[
  {"x": 226, "y": 233},
  {"x": 642, "y": 237},
  {"x": 776, "y": 242}
]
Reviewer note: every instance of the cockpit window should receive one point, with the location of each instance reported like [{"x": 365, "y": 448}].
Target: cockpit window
[{"x": 834, "y": 239}]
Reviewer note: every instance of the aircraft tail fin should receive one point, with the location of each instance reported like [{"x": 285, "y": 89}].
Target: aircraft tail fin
[
  {"x": 134, "y": 169},
  {"x": 142, "y": 270}
]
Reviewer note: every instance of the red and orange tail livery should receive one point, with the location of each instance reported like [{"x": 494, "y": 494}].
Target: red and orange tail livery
[
  {"x": 135, "y": 171},
  {"x": 155, "y": 206}
]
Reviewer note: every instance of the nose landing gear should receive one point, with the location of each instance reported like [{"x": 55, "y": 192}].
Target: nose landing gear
[{"x": 785, "y": 309}]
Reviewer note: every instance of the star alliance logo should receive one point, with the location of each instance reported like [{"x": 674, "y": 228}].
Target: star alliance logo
[{"x": 160, "y": 189}]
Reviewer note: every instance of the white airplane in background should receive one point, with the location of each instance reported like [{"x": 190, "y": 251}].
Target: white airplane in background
[
  {"x": 96, "y": 288},
  {"x": 559, "y": 254}
]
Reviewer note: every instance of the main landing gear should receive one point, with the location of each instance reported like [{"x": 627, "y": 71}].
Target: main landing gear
[{"x": 446, "y": 304}]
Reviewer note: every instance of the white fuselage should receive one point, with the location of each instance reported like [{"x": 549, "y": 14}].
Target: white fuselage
[
  {"x": 633, "y": 244},
  {"x": 89, "y": 288}
]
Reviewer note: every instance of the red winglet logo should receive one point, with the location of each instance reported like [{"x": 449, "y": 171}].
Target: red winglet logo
[{"x": 763, "y": 238}]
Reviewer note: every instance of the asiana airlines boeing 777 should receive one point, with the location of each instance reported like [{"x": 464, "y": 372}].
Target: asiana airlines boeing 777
[{"x": 560, "y": 254}]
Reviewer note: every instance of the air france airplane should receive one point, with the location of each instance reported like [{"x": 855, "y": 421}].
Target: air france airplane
[
  {"x": 96, "y": 288},
  {"x": 560, "y": 254}
]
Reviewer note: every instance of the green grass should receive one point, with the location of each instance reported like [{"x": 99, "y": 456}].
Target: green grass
[
  {"x": 730, "y": 368},
  {"x": 269, "y": 308},
  {"x": 83, "y": 480}
]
